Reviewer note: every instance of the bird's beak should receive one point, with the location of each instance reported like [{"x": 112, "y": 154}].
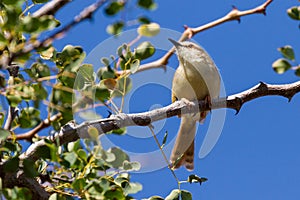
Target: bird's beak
[{"x": 176, "y": 44}]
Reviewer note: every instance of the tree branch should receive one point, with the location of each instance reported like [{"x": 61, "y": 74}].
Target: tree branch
[
  {"x": 189, "y": 32},
  {"x": 44, "y": 124},
  {"x": 71, "y": 132},
  {"x": 50, "y": 8},
  {"x": 20, "y": 179}
]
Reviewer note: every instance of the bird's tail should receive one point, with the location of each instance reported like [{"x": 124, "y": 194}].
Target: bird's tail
[{"x": 183, "y": 150}]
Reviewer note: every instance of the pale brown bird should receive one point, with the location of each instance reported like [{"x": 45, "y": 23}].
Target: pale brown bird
[{"x": 196, "y": 78}]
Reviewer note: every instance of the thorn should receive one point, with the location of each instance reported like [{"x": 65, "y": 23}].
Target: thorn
[
  {"x": 264, "y": 12},
  {"x": 290, "y": 98},
  {"x": 185, "y": 27},
  {"x": 240, "y": 103},
  {"x": 262, "y": 84},
  {"x": 234, "y": 7},
  {"x": 239, "y": 20},
  {"x": 109, "y": 114}
]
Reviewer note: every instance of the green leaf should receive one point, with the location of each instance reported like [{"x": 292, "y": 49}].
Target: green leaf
[
  {"x": 287, "y": 52},
  {"x": 144, "y": 50},
  {"x": 11, "y": 165},
  {"x": 174, "y": 195},
  {"x": 101, "y": 94},
  {"x": 73, "y": 146},
  {"x": 186, "y": 195},
  {"x": 165, "y": 139},
  {"x": 114, "y": 8},
  {"x": 120, "y": 131},
  {"x": 82, "y": 154},
  {"x": 79, "y": 184},
  {"x": 115, "y": 193},
  {"x": 147, "y": 4},
  {"x": 120, "y": 156},
  {"x": 38, "y": 70},
  {"x": 123, "y": 86},
  {"x": 131, "y": 166},
  {"x": 39, "y": 91},
  {"x": 115, "y": 28},
  {"x": 297, "y": 71},
  {"x": 134, "y": 65},
  {"x": 29, "y": 117},
  {"x": 294, "y": 12},
  {"x": 148, "y": 30},
  {"x": 10, "y": 2},
  {"x": 281, "y": 65},
  {"x": 14, "y": 99},
  {"x": 3, "y": 133},
  {"x": 70, "y": 58},
  {"x": 29, "y": 168},
  {"x": 105, "y": 61},
  {"x": 70, "y": 157},
  {"x": 31, "y": 24}
]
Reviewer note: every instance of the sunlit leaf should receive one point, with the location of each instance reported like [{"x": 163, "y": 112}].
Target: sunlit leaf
[
  {"x": 287, "y": 52},
  {"x": 115, "y": 28},
  {"x": 294, "y": 12},
  {"x": 174, "y": 195},
  {"x": 144, "y": 50},
  {"x": 3, "y": 133},
  {"x": 120, "y": 155},
  {"x": 281, "y": 65}
]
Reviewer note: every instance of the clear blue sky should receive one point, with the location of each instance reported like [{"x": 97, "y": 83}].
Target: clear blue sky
[{"x": 258, "y": 153}]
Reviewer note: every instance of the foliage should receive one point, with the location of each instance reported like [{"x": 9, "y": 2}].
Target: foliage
[
  {"x": 45, "y": 78},
  {"x": 288, "y": 62}
]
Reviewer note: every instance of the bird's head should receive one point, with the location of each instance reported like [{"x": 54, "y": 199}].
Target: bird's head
[{"x": 188, "y": 51}]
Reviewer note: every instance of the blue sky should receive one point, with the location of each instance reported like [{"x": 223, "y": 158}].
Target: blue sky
[{"x": 257, "y": 155}]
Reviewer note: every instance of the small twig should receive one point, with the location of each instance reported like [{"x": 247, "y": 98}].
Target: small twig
[{"x": 164, "y": 155}]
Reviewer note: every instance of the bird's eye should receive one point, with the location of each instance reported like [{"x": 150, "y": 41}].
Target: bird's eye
[{"x": 190, "y": 45}]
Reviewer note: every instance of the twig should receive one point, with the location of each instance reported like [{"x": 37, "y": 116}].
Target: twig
[
  {"x": 72, "y": 132},
  {"x": 189, "y": 32}
]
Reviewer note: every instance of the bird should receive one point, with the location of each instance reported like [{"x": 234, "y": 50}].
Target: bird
[{"x": 196, "y": 78}]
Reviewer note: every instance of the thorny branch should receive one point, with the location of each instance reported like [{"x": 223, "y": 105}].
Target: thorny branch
[{"x": 72, "y": 132}]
